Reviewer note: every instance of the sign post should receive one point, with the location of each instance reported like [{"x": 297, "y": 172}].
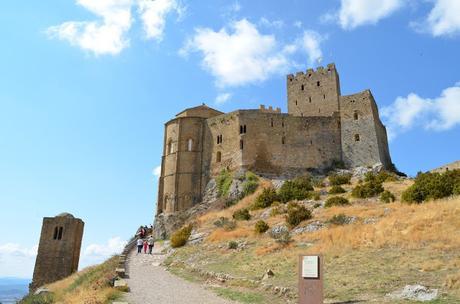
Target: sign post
[{"x": 311, "y": 277}]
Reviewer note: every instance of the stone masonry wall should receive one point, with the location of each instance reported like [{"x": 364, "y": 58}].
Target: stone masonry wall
[{"x": 59, "y": 249}]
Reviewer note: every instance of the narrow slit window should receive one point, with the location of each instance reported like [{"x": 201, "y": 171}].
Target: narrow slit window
[
  {"x": 296, "y": 102},
  {"x": 357, "y": 137},
  {"x": 189, "y": 144},
  {"x": 170, "y": 147},
  {"x": 218, "y": 157},
  {"x": 318, "y": 83},
  {"x": 271, "y": 122},
  {"x": 60, "y": 233},
  {"x": 302, "y": 87},
  {"x": 55, "y": 233},
  {"x": 244, "y": 129},
  {"x": 241, "y": 144},
  {"x": 355, "y": 115},
  {"x": 324, "y": 96},
  {"x": 309, "y": 99},
  {"x": 283, "y": 140}
]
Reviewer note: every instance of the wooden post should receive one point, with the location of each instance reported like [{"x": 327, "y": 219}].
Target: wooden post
[{"x": 311, "y": 276}]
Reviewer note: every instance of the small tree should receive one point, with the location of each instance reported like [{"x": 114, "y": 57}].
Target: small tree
[{"x": 261, "y": 226}]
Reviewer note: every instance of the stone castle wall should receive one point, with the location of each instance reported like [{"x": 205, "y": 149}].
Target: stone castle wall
[{"x": 59, "y": 249}]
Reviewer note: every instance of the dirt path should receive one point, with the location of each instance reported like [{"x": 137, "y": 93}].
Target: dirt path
[{"x": 150, "y": 283}]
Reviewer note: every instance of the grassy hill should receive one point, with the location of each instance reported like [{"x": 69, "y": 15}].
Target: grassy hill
[
  {"x": 371, "y": 248},
  {"x": 89, "y": 286}
]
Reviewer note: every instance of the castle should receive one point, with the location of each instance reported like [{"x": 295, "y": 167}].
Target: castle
[
  {"x": 58, "y": 250},
  {"x": 321, "y": 128}
]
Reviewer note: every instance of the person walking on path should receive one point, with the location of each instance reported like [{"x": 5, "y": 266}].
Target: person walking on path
[
  {"x": 140, "y": 243},
  {"x": 145, "y": 246},
  {"x": 150, "y": 241}
]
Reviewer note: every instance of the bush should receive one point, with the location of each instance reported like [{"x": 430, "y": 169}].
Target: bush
[
  {"x": 297, "y": 214},
  {"x": 318, "y": 182},
  {"x": 38, "y": 299},
  {"x": 339, "y": 219},
  {"x": 261, "y": 226},
  {"x": 456, "y": 190},
  {"x": 296, "y": 189},
  {"x": 224, "y": 181},
  {"x": 242, "y": 215},
  {"x": 232, "y": 245},
  {"x": 277, "y": 208},
  {"x": 339, "y": 179},
  {"x": 251, "y": 182},
  {"x": 180, "y": 237},
  {"x": 281, "y": 235},
  {"x": 432, "y": 186},
  {"x": 336, "y": 190},
  {"x": 387, "y": 197},
  {"x": 336, "y": 201},
  {"x": 368, "y": 189},
  {"x": 230, "y": 202},
  {"x": 265, "y": 199},
  {"x": 381, "y": 177},
  {"x": 249, "y": 176}
]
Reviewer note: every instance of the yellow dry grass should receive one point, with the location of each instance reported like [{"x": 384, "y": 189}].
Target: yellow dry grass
[
  {"x": 434, "y": 224},
  {"x": 221, "y": 235}
]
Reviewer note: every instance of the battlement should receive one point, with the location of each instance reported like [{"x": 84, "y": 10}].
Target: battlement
[
  {"x": 270, "y": 109},
  {"x": 320, "y": 71}
]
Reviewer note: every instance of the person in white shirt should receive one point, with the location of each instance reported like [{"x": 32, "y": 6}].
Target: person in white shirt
[
  {"x": 140, "y": 243},
  {"x": 150, "y": 241}
]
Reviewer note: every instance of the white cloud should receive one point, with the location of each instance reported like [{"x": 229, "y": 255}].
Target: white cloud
[
  {"x": 271, "y": 23},
  {"x": 298, "y": 24},
  {"x": 222, "y": 98},
  {"x": 440, "y": 113},
  {"x": 153, "y": 15},
  {"x": 17, "y": 260},
  {"x": 157, "y": 171},
  {"x": 97, "y": 253},
  {"x": 443, "y": 19},
  {"x": 244, "y": 56},
  {"x": 106, "y": 36},
  {"x": 354, "y": 13}
]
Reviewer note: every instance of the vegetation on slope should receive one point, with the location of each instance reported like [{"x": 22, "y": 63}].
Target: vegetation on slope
[{"x": 91, "y": 285}]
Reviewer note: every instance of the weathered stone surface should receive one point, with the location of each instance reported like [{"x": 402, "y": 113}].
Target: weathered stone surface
[
  {"x": 313, "y": 226},
  {"x": 416, "y": 293}
]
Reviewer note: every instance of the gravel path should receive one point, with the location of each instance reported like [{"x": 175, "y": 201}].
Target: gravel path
[{"x": 150, "y": 283}]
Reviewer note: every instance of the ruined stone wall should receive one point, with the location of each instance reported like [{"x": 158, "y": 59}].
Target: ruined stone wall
[
  {"x": 364, "y": 141},
  {"x": 59, "y": 249},
  {"x": 451, "y": 166},
  {"x": 314, "y": 93}
]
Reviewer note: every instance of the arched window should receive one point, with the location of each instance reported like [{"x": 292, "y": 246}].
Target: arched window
[
  {"x": 55, "y": 233},
  {"x": 355, "y": 115},
  {"x": 218, "y": 157},
  {"x": 189, "y": 144},
  {"x": 60, "y": 233},
  {"x": 357, "y": 137},
  {"x": 302, "y": 87},
  {"x": 170, "y": 147}
]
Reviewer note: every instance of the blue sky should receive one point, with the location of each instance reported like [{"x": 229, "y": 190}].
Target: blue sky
[{"x": 86, "y": 87}]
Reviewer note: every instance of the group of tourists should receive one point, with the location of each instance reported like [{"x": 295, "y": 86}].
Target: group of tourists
[{"x": 143, "y": 242}]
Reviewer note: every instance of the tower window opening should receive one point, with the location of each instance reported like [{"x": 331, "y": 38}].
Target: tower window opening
[
  {"x": 302, "y": 87},
  {"x": 324, "y": 96},
  {"x": 55, "y": 233},
  {"x": 296, "y": 102},
  {"x": 219, "y": 139},
  {"x": 309, "y": 99},
  {"x": 241, "y": 129},
  {"x": 357, "y": 137},
  {"x": 271, "y": 122},
  {"x": 60, "y": 233},
  {"x": 244, "y": 129},
  {"x": 282, "y": 123},
  {"x": 318, "y": 83},
  {"x": 355, "y": 115},
  {"x": 189, "y": 144},
  {"x": 241, "y": 144},
  {"x": 170, "y": 147},
  {"x": 218, "y": 157},
  {"x": 283, "y": 140}
]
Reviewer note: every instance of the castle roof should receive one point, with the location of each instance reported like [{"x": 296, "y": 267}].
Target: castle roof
[
  {"x": 65, "y": 214},
  {"x": 199, "y": 111}
]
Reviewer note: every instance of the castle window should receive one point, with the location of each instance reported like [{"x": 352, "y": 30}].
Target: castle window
[
  {"x": 282, "y": 123},
  {"x": 352, "y": 101},
  {"x": 271, "y": 121},
  {"x": 296, "y": 102},
  {"x": 55, "y": 233},
  {"x": 309, "y": 99},
  {"x": 356, "y": 137},
  {"x": 60, "y": 233},
  {"x": 219, "y": 139},
  {"x": 355, "y": 115},
  {"x": 283, "y": 140},
  {"x": 302, "y": 87},
  {"x": 241, "y": 144},
  {"x": 189, "y": 144},
  {"x": 219, "y": 156},
  {"x": 244, "y": 129},
  {"x": 324, "y": 96},
  {"x": 170, "y": 147},
  {"x": 317, "y": 83}
]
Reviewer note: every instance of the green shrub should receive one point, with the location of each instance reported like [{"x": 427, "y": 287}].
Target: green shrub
[
  {"x": 249, "y": 176},
  {"x": 339, "y": 219},
  {"x": 180, "y": 237},
  {"x": 336, "y": 190},
  {"x": 282, "y": 236},
  {"x": 339, "y": 179},
  {"x": 232, "y": 245},
  {"x": 432, "y": 186},
  {"x": 387, "y": 197},
  {"x": 318, "y": 182},
  {"x": 316, "y": 195},
  {"x": 297, "y": 214},
  {"x": 224, "y": 181},
  {"x": 261, "y": 226},
  {"x": 296, "y": 189},
  {"x": 242, "y": 215},
  {"x": 250, "y": 184},
  {"x": 38, "y": 299},
  {"x": 277, "y": 208},
  {"x": 456, "y": 190},
  {"x": 230, "y": 202},
  {"x": 265, "y": 199},
  {"x": 336, "y": 201},
  {"x": 381, "y": 177},
  {"x": 368, "y": 189}
]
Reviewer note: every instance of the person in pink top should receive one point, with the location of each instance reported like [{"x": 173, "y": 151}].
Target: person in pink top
[{"x": 145, "y": 246}]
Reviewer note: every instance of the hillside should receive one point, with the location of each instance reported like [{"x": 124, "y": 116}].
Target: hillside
[
  {"x": 371, "y": 248},
  {"x": 89, "y": 286}
]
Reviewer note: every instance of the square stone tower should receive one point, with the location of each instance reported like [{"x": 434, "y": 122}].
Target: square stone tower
[{"x": 59, "y": 249}]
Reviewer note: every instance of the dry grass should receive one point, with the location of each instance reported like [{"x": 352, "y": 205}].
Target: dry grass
[
  {"x": 221, "y": 235},
  {"x": 433, "y": 224}
]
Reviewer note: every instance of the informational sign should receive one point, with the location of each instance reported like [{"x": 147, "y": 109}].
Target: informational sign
[{"x": 310, "y": 267}]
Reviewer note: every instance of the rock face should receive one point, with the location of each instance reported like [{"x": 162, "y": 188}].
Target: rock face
[{"x": 416, "y": 293}]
